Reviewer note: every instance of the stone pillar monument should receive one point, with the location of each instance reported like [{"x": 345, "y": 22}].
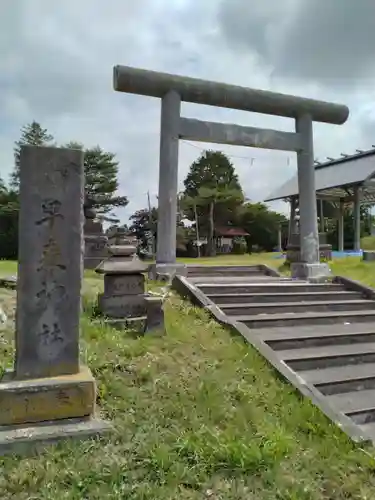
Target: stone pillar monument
[
  {"x": 96, "y": 242},
  {"x": 49, "y": 395}
]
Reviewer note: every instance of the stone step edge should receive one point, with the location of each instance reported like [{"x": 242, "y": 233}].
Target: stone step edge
[
  {"x": 287, "y": 283},
  {"x": 349, "y": 408},
  {"x": 295, "y": 337},
  {"x": 303, "y": 315},
  {"x": 269, "y": 305},
  {"x": 332, "y": 351},
  {"x": 280, "y": 294}
]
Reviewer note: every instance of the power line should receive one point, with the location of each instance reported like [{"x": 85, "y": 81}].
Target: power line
[
  {"x": 249, "y": 158},
  {"x": 202, "y": 149}
]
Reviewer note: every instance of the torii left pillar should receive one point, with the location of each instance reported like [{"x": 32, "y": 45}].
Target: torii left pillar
[{"x": 168, "y": 186}]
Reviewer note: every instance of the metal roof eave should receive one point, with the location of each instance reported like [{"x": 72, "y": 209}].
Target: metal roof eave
[{"x": 368, "y": 183}]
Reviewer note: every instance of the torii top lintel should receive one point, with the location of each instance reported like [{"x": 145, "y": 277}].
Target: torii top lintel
[{"x": 156, "y": 84}]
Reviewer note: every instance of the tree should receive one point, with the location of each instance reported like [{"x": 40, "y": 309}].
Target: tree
[
  {"x": 212, "y": 189},
  {"x": 144, "y": 224},
  {"x": 101, "y": 178},
  {"x": 204, "y": 203},
  {"x": 31, "y": 134},
  {"x": 262, "y": 225}
]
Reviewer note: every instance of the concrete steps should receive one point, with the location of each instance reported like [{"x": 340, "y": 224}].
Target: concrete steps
[
  {"x": 266, "y": 286},
  {"x": 320, "y": 336},
  {"x": 297, "y": 307},
  {"x": 262, "y": 297},
  {"x": 269, "y": 302},
  {"x": 338, "y": 361},
  {"x": 306, "y": 318},
  {"x": 224, "y": 271}
]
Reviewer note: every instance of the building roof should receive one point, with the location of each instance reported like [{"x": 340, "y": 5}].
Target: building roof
[
  {"x": 230, "y": 232},
  {"x": 336, "y": 178}
]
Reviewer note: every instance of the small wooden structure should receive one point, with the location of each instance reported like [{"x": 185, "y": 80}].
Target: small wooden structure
[{"x": 225, "y": 237}]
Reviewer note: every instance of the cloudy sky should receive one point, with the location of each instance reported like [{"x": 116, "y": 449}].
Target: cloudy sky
[{"x": 56, "y": 63}]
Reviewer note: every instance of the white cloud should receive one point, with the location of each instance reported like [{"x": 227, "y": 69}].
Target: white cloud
[{"x": 57, "y": 69}]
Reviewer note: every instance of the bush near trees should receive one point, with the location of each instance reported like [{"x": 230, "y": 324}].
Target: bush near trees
[
  {"x": 9, "y": 209},
  {"x": 239, "y": 245}
]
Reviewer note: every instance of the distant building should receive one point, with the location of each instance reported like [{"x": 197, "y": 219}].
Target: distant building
[{"x": 224, "y": 237}]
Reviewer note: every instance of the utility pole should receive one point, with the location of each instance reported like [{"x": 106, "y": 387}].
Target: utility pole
[{"x": 197, "y": 230}]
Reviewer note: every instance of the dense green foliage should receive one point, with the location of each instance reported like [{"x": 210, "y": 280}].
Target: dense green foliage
[
  {"x": 213, "y": 193},
  {"x": 101, "y": 178},
  {"x": 32, "y": 134},
  {"x": 213, "y": 197}
]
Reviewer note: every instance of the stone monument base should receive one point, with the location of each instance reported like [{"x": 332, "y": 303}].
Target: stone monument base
[
  {"x": 293, "y": 252},
  {"x": 318, "y": 272},
  {"x": 155, "y": 316},
  {"x": 120, "y": 306},
  {"x": 165, "y": 271},
  {"x": 28, "y": 439},
  {"x": 37, "y": 411},
  {"x": 133, "y": 324}
]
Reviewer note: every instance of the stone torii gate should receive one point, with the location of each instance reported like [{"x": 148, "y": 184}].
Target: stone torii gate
[{"x": 173, "y": 89}]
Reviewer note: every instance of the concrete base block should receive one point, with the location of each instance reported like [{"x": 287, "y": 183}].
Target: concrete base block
[
  {"x": 164, "y": 270},
  {"x": 122, "y": 306},
  {"x": 155, "y": 316},
  {"x": 368, "y": 256},
  {"x": 134, "y": 324},
  {"x": 95, "y": 250},
  {"x": 46, "y": 399},
  {"x": 28, "y": 439},
  {"x": 125, "y": 284},
  {"x": 318, "y": 272}
]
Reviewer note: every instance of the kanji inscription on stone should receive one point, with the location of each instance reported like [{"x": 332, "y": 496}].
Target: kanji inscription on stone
[{"x": 50, "y": 262}]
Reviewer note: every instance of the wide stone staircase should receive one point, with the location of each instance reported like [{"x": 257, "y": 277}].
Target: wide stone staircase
[{"x": 320, "y": 336}]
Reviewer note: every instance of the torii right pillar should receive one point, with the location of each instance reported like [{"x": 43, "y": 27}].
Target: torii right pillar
[{"x": 309, "y": 266}]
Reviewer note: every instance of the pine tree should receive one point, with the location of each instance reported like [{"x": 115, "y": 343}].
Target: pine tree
[
  {"x": 31, "y": 134},
  {"x": 213, "y": 190},
  {"x": 101, "y": 178}
]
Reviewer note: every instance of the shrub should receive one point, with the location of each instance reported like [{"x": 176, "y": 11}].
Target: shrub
[
  {"x": 239, "y": 245},
  {"x": 8, "y": 234},
  {"x": 368, "y": 243}
]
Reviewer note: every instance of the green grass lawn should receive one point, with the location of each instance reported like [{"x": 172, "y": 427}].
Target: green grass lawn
[{"x": 197, "y": 414}]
